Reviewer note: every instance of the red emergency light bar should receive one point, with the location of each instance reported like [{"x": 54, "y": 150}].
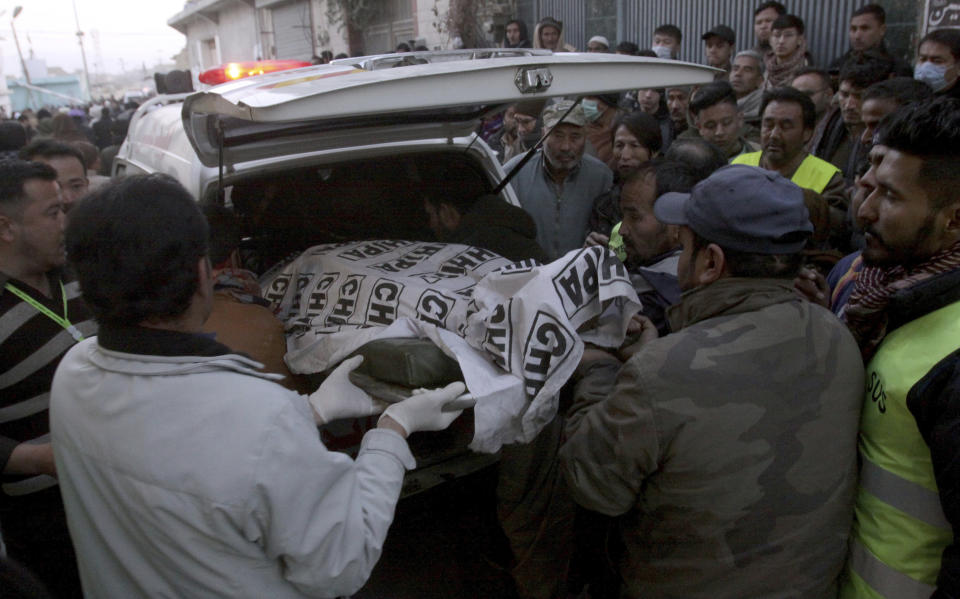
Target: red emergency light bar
[{"x": 238, "y": 70}]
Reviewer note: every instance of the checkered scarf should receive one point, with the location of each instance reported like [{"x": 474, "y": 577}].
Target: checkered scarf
[{"x": 866, "y": 311}]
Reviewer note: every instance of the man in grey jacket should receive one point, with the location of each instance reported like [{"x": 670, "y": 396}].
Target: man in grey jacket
[
  {"x": 728, "y": 446},
  {"x": 185, "y": 470},
  {"x": 559, "y": 183}
]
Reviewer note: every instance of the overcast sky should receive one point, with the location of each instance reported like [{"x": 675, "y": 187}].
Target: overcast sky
[{"x": 134, "y": 31}]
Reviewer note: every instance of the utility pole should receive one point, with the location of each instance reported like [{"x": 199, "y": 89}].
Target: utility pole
[
  {"x": 23, "y": 63},
  {"x": 83, "y": 54}
]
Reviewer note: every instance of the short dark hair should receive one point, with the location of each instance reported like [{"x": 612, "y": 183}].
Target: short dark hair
[
  {"x": 134, "y": 245},
  {"x": 674, "y": 176},
  {"x": 711, "y": 94},
  {"x": 13, "y": 174},
  {"x": 89, "y": 151},
  {"x": 781, "y": 9},
  {"x": 49, "y": 148},
  {"x": 701, "y": 156},
  {"x": 902, "y": 90},
  {"x": 864, "y": 70},
  {"x": 871, "y": 9},
  {"x": 823, "y": 75},
  {"x": 643, "y": 126},
  {"x": 671, "y": 176},
  {"x": 628, "y": 48},
  {"x": 224, "y": 232},
  {"x": 930, "y": 131},
  {"x": 788, "y": 21},
  {"x": 12, "y": 136},
  {"x": 752, "y": 265},
  {"x": 670, "y": 30},
  {"x": 789, "y": 94},
  {"x": 947, "y": 37}
]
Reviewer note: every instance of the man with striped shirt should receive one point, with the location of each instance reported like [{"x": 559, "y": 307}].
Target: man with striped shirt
[{"x": 41, "y": 317}]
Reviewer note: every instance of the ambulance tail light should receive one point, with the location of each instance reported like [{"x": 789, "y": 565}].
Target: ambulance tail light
[{"x": 239, "y": 70}]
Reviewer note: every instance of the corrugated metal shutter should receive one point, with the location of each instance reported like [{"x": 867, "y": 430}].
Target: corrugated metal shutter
[
  {"x": 291, "y": 27},
  {"x": 826, "y": 22}
]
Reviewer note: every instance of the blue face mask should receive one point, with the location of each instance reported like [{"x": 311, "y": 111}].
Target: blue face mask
[
  {"x": 590, "y": 109},
  {"x": 662, "y": 51},
  {"x": 933, "y": 75}
]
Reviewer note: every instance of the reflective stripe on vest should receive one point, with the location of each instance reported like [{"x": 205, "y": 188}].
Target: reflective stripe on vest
[
  {"x": 813, "y": 173},
  {"x": 869, "y": 573},
  {"x": 898, "y": 520}
]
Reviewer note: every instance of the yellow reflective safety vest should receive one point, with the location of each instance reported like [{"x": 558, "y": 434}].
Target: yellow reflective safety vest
[
  {"x": 899, "y": 530},
  {"x": 813, "y": 173}
]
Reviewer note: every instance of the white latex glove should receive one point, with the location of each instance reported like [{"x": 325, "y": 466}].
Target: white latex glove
[
  {"x": 338, "y": 398},
  {"x": 423, "y": 411}
]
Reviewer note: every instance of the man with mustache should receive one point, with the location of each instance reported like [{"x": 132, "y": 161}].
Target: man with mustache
[
  {"x": 787, "y": 120},
  {"x": 837, "y": 138},
  {"x": 905, "y": 314},
  {"x": 558, "y": 185}
]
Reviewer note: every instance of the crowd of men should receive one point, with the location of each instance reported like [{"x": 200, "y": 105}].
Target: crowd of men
[{"x": 780, "y": 420}]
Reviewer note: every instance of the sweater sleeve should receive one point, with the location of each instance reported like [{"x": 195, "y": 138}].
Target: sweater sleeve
[
  {"x": 322, "y": 514},
  {"x": 935, "y": 404}
]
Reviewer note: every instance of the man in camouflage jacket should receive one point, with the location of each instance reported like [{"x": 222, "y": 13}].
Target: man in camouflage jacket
[{"x": 729, "y": 446}]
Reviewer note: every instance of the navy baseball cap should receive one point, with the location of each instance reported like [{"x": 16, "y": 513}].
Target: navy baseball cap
[
  {"x": 723, "y": 32},
  {"x": 742, "y": 208}
]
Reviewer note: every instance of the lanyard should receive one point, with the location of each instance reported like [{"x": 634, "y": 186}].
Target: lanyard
[{"x": 60, "y": 320}]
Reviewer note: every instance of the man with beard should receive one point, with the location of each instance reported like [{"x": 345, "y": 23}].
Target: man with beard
[
  {"x": 653, "y": 248},
  {"x": 818, "y": 87},
  {"x": 763, "y": 18},
  {"x": 788, "y": 118},
  {"x": 837, "y": 138},
  {"x": 678, "y": 100},
  {"x": 558, "y": 185},
  {"x": 728, "y": 447},
  {"x": 746, "y": 77},
  {"x": 520, "y": 131},
  {"x": 718, "y": 47},
  {"x": 905, "y": 314}
]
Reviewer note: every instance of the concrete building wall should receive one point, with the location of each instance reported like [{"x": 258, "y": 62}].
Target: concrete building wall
[
  {"x": 330, "y": 36},
  {"x": 238, "y": 32}
]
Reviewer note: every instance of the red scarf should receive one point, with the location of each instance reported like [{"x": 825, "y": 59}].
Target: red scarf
[{"x": 866, "y": 311}]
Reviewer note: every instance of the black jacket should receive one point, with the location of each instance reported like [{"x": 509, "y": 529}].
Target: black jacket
[
  {"x": 495, "y": 225},
  {"x": 934, "y": 402}
]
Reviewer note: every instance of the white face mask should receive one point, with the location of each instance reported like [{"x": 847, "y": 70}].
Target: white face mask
[
  {"x": 933, "y": 75},
  {"x": 662, "y": 51}
]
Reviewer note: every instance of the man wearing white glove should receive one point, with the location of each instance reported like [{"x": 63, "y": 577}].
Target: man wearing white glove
[{"x": 185, "y": 471}]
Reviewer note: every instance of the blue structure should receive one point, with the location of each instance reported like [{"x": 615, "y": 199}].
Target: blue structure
[{"x": 21, "y": 97}]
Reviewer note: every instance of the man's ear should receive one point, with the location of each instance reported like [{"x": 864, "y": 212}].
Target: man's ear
[
  {"x": 449, "y": 216},
  {"x": 673, "y": 234},
  {"x": 807, "y": 135},
  {"x": 204, "y": 276},
  {"x": 713, "y": 264}
]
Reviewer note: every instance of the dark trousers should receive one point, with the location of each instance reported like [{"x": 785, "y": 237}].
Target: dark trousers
[{"x": 35, "y": 533}]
